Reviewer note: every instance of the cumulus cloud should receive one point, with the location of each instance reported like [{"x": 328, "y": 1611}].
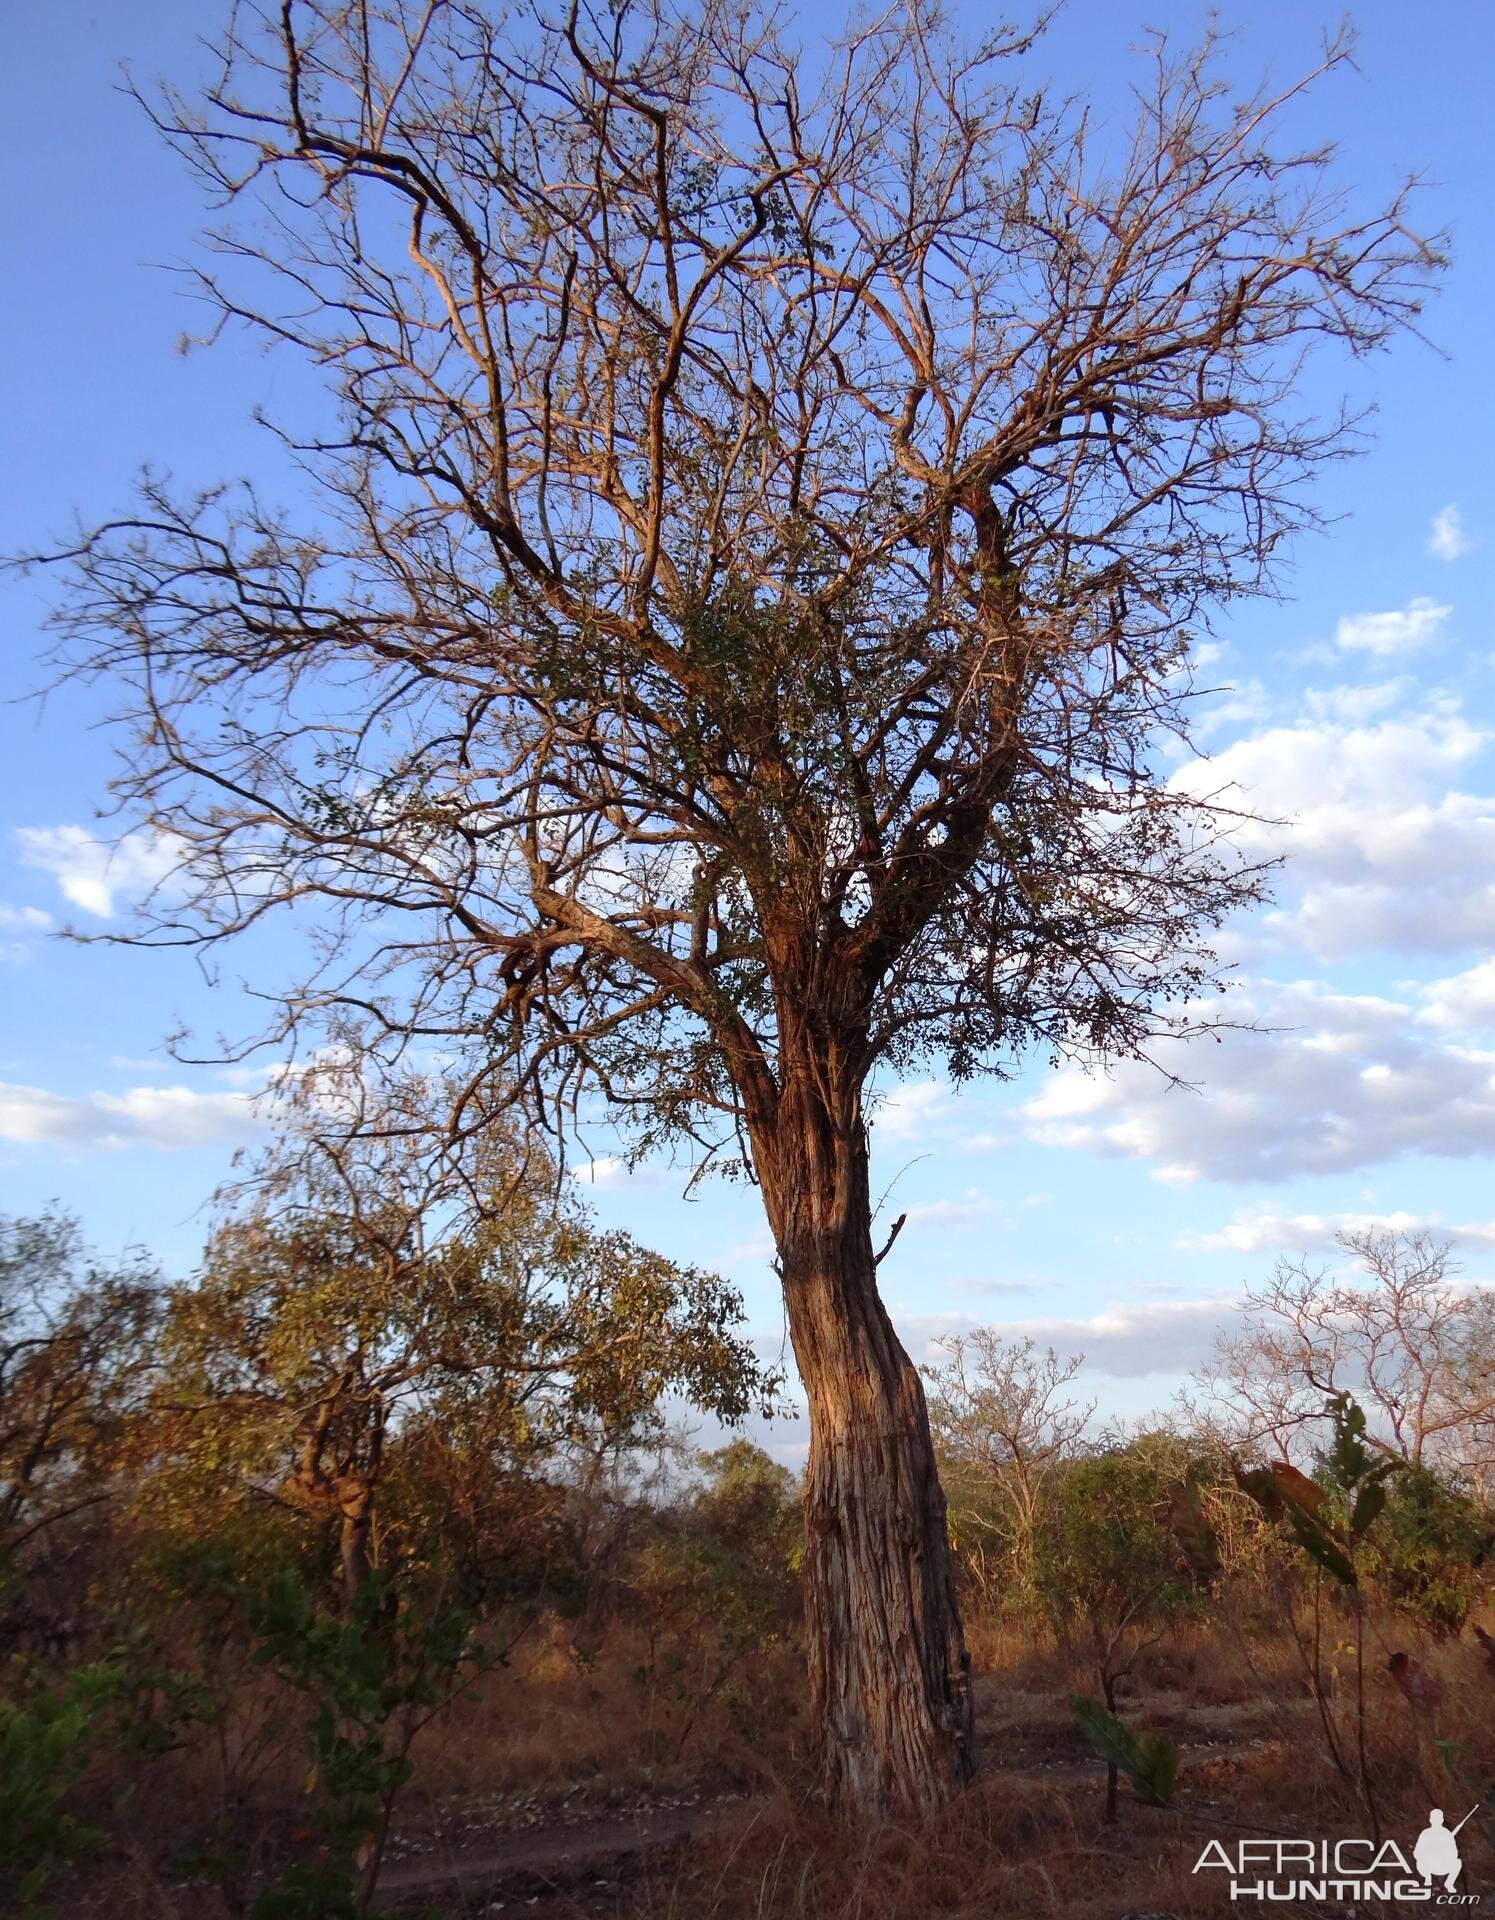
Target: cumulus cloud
[
  {"x": 1394, "y": 632},
  {"x": 93, "y": 873},
  {"x": 167, "y": 1118},
  {"x": 1340, "y": 1081},
  {"x": 20, "y": 928},
  {"x": 1130, "y": 1340},
  {"x": 23, "y": 919},
  {"x": 610, "y": 1172},
  {"x": 1238, "y": 707},
  {"x": 1353, "y": 705},
  {"x": 1249, "y": 1231},
  {"x": 607, "y": 1170},
  {"x": 1447, "y": 539},
  {"x": 909, "y": 1111},
  {"x": 971, "y": 1211},
  {"x": 1385, "y": 848},
  {"x": 1465, "y": 1001}
]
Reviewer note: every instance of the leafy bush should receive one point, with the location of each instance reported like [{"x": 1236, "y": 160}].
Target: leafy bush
[
  {"x": 1428, "y": 1555},
  {"x": 1110, "y": 1559},
  {"x": 373, "y": 1676},
  {"x": 717, "y": 1579},
  {"x": 44, "y": 1748}
]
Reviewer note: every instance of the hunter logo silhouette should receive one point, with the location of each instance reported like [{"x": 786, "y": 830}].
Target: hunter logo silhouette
[
  {"x": 1353, "y": 1868},
  {"x": 1437, "y": 1851}
]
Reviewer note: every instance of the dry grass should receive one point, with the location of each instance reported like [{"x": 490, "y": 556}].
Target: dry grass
[
  {"x": 626, "y": 1719},
  {"x": 553, "y": 1743},
  {"x": 1030, "y": 1839}
]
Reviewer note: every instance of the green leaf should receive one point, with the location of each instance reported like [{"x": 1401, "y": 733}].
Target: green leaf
[
  {"x": 1149, "y": 1760},
  {"x": 1321, "y": 1546},
  {"x": 1156, "y": 1775},
  {"x": 1370, "y": 1503},
  {"x": 1110, "y": 1739},
  {"x": 1348, "y": 1459}
]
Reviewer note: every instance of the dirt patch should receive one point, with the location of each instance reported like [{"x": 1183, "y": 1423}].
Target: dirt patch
[{"x": 585, "y": 1856}]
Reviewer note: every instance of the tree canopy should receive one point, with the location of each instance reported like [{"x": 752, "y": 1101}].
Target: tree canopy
[{"x": 771, "y": 500}]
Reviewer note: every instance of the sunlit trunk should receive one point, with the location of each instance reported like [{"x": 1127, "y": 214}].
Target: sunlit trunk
[{"x": 889, "y": 1673}]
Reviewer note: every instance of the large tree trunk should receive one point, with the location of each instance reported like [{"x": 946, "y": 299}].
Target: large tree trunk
[
  {"x": 889, "y": 1672},
  {"x": 355, "y": 1539}
]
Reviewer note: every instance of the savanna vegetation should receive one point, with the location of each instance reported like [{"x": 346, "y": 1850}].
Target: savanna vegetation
[
  {"x": 748, "y": 554},
  {"x": 375, "y": 1567},
  {"x": 733, "y": 641}
]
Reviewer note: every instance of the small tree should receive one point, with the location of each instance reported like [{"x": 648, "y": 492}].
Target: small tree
[
  {"x": 333, "y": 1314},
  {"x": 374, "y": 1680},
  {"x": 1329, "y": 1518},
  {"x": 1430, "y": 1555},
  {"x": 1415, "y": 1349},
  {"x": 1003, "y": 1425},
  {"x": 75, "y": 1352},
  {"x": 771, "y": 497},
  {"x": 1111, "y": 1562},
  {"x": 718, "y": 1571}
]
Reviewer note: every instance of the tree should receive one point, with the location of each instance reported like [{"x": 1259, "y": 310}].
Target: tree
[
  {"x": 1412, "y": 1346},
  {"x": 75, "y": 1348},
  {"x": 714, "y": 1579},
  {"x": 1111, "y": 1562},
  {"x": 770, "y": 498},
  {"x": 333, "y": 1321},
  {"x": 1431, "y": 1554},
  {"x": 1002, "y": 1426}
]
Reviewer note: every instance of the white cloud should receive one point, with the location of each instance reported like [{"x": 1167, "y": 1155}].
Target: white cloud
[
  {"x": 1354, "y": 705},
  {"x": 20, "y": 928},
  {"x": 1249, "y": 1231},
  {"x": 169, "y": 1118},
  {"x": 1394, "y": 632},
  {"x": 1130, "y": 1340},
  {"x": 1235, "y": 707},
  {"x": 92, "y": 872},
  {"x": 1345, "y": 1081},
  {"x": 607, "y": 1170},
  {"x": 611, "y": 1173},
  {"x": 1385, "y": 850},
  {"x": 909, "y": 1111},
  {"x": 971, "y": 1211},
  {"x": 23, "y": 920},
  {"x": 1447, "y": 539},
  {"x": 1464, "y": 1000}
]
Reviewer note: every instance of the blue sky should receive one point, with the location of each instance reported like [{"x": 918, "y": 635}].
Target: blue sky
[{"x": 1118, "y": 1215}]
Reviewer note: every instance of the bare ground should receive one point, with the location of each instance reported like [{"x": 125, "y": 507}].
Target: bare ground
[
  {"x": 579, "y": 1858},
  {"x": 588, "y": 1854}
]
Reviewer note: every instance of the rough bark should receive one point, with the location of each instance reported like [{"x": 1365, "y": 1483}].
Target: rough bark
[
  {"x": 355, "y": 1539},
  {"x": 888, "y": 1668}
]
